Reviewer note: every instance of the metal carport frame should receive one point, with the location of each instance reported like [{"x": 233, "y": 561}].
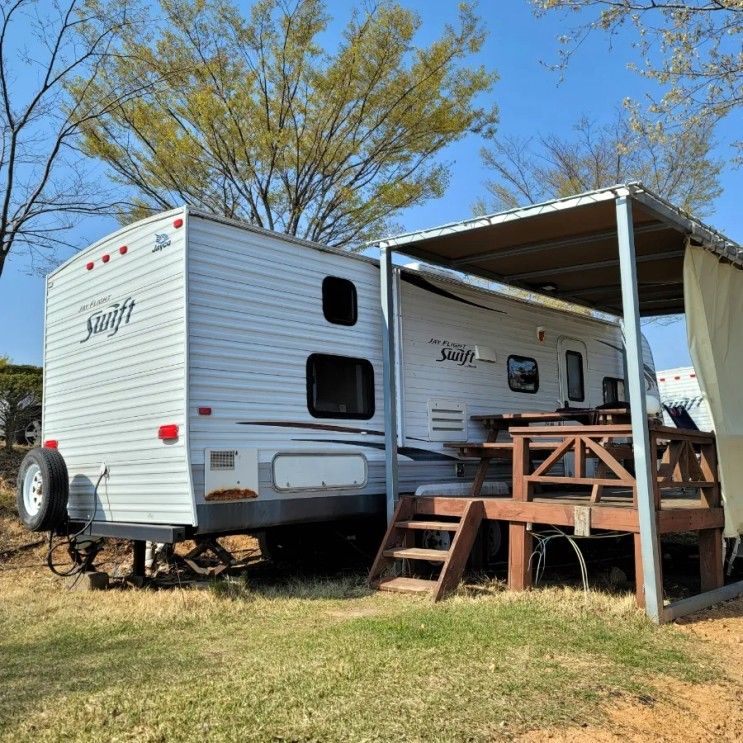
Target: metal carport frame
[{"x": 572, "y": 248}]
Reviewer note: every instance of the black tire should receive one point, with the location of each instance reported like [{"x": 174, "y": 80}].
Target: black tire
[
  {"x": 493, "y": 538},
  {"x": 50, "y": 508}
]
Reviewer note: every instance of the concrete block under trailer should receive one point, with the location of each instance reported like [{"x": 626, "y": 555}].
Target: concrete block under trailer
[{"x": 205, "y": 377}]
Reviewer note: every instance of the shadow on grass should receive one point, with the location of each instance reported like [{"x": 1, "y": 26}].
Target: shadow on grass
[{"x": 274, "y": 584}]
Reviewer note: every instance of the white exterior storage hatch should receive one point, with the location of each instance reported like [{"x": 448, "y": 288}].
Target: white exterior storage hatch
[{"x": 308, "y": 470}]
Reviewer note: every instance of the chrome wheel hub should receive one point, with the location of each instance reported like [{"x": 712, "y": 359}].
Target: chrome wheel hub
[{"x": 33, "y": 490}]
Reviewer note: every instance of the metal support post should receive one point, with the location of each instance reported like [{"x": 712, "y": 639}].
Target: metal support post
[
  {"x": 645, "y": 467},
  {"x": 390, "y": 377}
]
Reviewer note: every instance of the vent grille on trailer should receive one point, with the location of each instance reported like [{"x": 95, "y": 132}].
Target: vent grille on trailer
[
  {"x": 447, "y": 420},
  {"x": 222, "y": 460}
]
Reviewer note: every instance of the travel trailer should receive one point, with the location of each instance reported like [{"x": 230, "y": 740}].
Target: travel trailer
[
  {"x": 204, "y": 377},
  {"x": 679, "y": 389}
]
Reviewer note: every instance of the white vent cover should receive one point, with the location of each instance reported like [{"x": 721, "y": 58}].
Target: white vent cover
[
  {"x": 222, "y": 460},
  {"x": 230, "y": 474},
  {"x": 485, "y": 353},
  {"x": 447, "y": 420}
]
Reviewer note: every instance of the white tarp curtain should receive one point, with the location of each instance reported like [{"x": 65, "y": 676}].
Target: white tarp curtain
[{"x": 713, "y": 298}]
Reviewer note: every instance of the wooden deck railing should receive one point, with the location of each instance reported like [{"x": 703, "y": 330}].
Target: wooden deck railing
[{"x": 685, "y": 459}]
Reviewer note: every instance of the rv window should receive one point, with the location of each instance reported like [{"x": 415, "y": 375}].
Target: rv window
[
  {"x": 340, "y": 387},
  {"x": 339, "y": 300},
  {"x": 574, "y": 370},
  {"x": 614, "y": 390},
  {"x": 523, "y": 374}
]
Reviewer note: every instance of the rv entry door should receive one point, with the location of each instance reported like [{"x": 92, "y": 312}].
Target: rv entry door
[{"x": 572, "y": 364}]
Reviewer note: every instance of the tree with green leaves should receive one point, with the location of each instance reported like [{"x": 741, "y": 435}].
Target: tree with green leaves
[
  {"x": 20, "y": 398},
  {"x": 259, "y": 122},
  {"x": 680, "y": 167},
  {"x": 692, "y": 48}
]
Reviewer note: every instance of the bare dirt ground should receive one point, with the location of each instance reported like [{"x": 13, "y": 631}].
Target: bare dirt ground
[{"x": 680, "y": 711}]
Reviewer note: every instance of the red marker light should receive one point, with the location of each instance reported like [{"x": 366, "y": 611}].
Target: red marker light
[
  {"x": 205, "y": 411},
  {"x": 51, "y": 444},
  {"x": 89, "y": 265},
  {"x": 178, "y": 223},
  {"x": 123, "y": 249},
  {"x": 168, "y": 432},
  {"x": 106, "y": 258}
]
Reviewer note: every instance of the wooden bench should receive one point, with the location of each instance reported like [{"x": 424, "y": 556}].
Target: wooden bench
[{"x": 487, "y": 451}]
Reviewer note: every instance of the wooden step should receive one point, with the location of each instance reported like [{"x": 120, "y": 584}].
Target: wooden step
[
  {"x": 417, "y": 553},
  {"x": 429, "y": 525},
  {"x": 407, "y": 585}
]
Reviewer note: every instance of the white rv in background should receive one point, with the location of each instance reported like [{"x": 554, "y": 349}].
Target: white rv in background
[
  {"x": 211, "y": 377},
  {"x": 679, "y": 388}
]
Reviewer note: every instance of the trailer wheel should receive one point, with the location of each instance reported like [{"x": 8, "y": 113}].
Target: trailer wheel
[
  {"x": 43, "y": 489},
  {"x": 493, "y": 541}
]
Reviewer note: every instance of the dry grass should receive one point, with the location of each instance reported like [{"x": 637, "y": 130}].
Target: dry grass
[{"x": 317, "y": 660}]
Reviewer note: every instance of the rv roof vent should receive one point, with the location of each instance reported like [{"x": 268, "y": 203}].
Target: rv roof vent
[
  {"x": 447, "y": 420},
  {"x": 221, "y": 460}
]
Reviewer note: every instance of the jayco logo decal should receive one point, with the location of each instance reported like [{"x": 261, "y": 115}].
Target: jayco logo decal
[
  {"x": 161, "y": 242},
  {"x": 456, "y": 353},
  {"x": 109, "y": 321}
]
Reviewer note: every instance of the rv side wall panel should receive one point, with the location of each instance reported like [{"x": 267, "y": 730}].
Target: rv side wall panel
[
  {"x": 434, "y": 324},
  {"x": 114, "y": 372},
  {"x": 255, "y": 316}
]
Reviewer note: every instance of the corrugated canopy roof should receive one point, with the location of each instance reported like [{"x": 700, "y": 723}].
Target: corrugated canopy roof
[{"x": 567, "y": 248}]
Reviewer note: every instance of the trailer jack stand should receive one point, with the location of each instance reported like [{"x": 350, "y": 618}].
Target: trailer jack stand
[{"x": 207, "y": 544}]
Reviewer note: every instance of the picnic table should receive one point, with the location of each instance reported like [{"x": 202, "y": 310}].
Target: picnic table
[
  {"x": 492, "y": 449},
  {"x": 497, "y": 422}
]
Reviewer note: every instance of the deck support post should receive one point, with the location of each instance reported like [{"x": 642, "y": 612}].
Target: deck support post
[
  {"x": 645, "y": 467},
  {"x": 520, "y": 539},
  {"x": 390, "y": 377},
  {"x": 711, "y": 568},
  {"x": 520, "y": 548}
]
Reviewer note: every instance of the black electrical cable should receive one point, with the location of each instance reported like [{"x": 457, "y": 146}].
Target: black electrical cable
[{"x": 78, "y": 565}]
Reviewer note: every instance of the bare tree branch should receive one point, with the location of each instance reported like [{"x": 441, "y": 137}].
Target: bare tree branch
[
  {"x": 677, "y": 165},
  {"x": 43, "y": 179}
]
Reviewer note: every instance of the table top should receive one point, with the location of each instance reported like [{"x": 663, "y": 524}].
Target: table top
[{"x": 540, "y": 416}]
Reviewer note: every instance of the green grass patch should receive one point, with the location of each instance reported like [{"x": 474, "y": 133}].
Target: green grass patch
[{"x": 325, "y": 661}]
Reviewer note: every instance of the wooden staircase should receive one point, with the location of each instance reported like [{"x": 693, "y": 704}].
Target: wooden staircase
[{"x": 399, "y": 545}]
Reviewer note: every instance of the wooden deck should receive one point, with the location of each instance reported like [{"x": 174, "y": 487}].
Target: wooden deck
[
  {"x": 615, "y": 512},
  {"x": 549, "y": 490}
]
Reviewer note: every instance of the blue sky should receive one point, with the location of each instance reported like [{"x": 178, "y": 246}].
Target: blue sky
[{"x": 531, "y": 99}]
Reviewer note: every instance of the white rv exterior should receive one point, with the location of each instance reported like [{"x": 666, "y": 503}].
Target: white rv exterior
[
  {"x": 219, "y": 329},
  {"x": 679, "y": 387}
]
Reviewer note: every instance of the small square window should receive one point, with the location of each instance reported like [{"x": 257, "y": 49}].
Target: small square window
[
  {"x": 614, "y": 390},
  {"x": 339, "y": 301},
  {"x": 523, "y": 374},
  {"x": 574, "y": 370},
  {"x": 340, "y": 387}
]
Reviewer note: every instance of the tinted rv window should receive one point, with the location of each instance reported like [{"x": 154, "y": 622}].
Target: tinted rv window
[
  {"x": 523, "y": 374},
  {"x": 340, "y": 387},
  {"x": 339, "y": 300},
  {"x": 574, "y": 370},
  {"x": 614, "y": 390}
]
